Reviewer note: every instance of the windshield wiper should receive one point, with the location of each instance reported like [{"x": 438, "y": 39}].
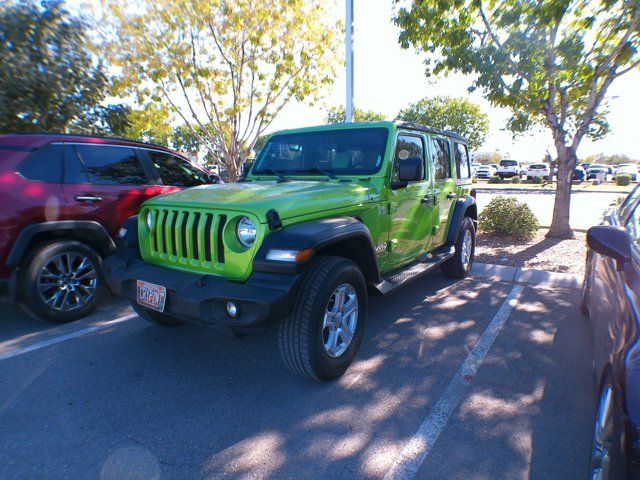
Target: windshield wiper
[
  {"x": 281, "y": 177},
  {"x": 327, "y": 173}
]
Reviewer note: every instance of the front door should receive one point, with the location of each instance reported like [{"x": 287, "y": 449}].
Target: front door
[
  {"x": 444, "y": 187},
  {"x": 411, "y": 206}
]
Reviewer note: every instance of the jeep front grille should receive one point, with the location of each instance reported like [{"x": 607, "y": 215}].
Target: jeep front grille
[{"x": 187, "y": 237}]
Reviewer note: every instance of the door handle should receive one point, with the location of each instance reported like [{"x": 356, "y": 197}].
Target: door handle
[
  {"x": 451, "y": 195},
  {"x": 88, "y": 198}
]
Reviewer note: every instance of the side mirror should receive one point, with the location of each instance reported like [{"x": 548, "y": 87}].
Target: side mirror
[
  {"x": 213, "y": 178},
  {"x": 611, "y": 241},
  {"x": 411, "y": 169},
  {"x": 246, "y": 167}
]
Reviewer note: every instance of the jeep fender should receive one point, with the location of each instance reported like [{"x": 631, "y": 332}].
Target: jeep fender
[
  {"x": 86, "y": 230},
  {"x": 344, "y": 236},
  {"x": 465, "y": 206}
]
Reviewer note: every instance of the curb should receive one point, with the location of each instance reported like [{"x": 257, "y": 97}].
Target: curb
[{"x": 528, "y": 276}]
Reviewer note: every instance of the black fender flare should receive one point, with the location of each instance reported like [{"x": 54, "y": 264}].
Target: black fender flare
[
  {"x": 338, "y": 235},
  {"x": 83, "y": 229},
  {"x": 465, "y": 206}
]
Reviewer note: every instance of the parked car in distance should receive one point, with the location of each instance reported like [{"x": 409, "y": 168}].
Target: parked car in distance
[
  {"x": 611, "y": 300},
  {"x": 628, "y": 169},
  {"x": 579, "y": 174},
  {"x": 509, "y": 168},
  {"x": 63, "y": 200},
  {"x": 305, "y": 237},
  {"x": 474, "y": 168},
  {"x": 594, "y": 169},
  {"x": 486, "y": 171},
  {"x": 538, "y": 170}
]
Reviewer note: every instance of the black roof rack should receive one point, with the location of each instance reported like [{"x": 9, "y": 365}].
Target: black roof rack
[
  {"x": 82, "y": 135},
  {"x": 424, "y": 128}
]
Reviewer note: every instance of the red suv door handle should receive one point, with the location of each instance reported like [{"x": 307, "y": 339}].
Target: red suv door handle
[{"x": 88, "y": 198}]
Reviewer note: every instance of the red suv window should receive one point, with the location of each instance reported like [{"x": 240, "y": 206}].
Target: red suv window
[{"x": 106, "y": 165}]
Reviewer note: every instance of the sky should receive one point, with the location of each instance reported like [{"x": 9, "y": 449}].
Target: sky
[{"x": 388, "y": 78}]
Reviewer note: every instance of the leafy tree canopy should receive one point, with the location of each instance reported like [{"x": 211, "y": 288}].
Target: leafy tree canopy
[
  {"x": 226, "y": 68},
  {"x": 49, "y": 78},
  {"x": 614, "y": 159},
  {"x": 457, "y": 114},
  {"x": 549, "y": 61},
  {"x": 339, "y": 115}
]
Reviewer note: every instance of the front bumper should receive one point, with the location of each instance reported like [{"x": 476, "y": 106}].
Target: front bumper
[{"x": 202, "y": 299}]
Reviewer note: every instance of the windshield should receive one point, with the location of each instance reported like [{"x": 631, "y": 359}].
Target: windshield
[
  {"x": 538, "y": 166},
  {"x": 340, "y": 152},
  {"x": 597, "y": 166},
  {"x": 508, "y": 163}
]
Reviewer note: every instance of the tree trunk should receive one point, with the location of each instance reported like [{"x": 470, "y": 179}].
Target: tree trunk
[{"x": 560, "y": 227}]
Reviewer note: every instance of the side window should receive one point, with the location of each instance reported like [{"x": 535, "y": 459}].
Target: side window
[
  {"x": 175, "y": 171},
  {"x": 629, "y": 203},
  {"x": 407, "y": 146},
  {"x": 441, "y": 158},
  {"x": 43, "y": 165},
  {"x": 462, "y": 160},
  {"x": 107, "y": 165}
]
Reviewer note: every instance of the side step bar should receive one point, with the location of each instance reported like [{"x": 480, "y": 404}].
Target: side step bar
[{"x": 428, "y": 262}]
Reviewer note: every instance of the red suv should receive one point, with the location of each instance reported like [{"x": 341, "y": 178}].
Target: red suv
[{"x": 63, "y": 199}]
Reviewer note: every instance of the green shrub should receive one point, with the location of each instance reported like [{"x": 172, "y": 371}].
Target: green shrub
[
  {"x": 495, "y": 179},
  {"x": 474, "y": 180},
  {"x": 595, "y": 182},
  {"x": 623, "y": 180},
  {"x": 507, "y": 217},
  {"x": 516, "y": 179},
  {"x": 538, "y": 180}
]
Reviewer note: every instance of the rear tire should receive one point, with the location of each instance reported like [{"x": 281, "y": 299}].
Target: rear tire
[
  {"x": 320, "y": 336},
  {"x": 157, "y": 317},
  {"x": 460, "y": 264},
  {"x": 60, "y": 280}
]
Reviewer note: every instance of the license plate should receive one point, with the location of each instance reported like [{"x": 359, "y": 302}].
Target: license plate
[{"x": 151, "y": 295}]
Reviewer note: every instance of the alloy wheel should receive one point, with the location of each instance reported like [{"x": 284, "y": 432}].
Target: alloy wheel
[
  {"x": 466, "y": 249},
  {"x": 67, "y": 281},
  {"x": 602, "y": 437},
  {"x": 340, "y": 320}
]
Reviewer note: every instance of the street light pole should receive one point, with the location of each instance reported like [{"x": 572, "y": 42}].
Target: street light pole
[{"x": 349, "y": 44}]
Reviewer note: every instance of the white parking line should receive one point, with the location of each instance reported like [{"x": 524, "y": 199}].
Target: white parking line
[
  {"x": 63, "y": 338},
  {"x": 415, "y": 452}
]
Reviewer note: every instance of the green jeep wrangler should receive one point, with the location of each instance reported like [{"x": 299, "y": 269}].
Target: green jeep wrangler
[{"x": 325, "y": 216}]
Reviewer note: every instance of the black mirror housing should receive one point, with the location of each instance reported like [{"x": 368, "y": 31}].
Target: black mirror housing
[
  {"x": 611, "y": 241},
  {"x": 411, "y": 169}
]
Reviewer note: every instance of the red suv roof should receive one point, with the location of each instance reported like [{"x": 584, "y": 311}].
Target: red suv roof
[{"x": 36, "y": 140}]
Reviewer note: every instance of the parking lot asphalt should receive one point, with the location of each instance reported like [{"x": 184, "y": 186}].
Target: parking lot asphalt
[{"x": 451, "y": 382}]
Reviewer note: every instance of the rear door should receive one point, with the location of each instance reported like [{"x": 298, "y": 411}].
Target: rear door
[
  {"x": 444, "y": 186},
  {"x": 105, "y": 183}
]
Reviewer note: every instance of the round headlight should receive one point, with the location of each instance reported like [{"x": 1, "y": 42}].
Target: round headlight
[
  {"x": 246, "y": 231},
  {"x": 147, "y": 219}
]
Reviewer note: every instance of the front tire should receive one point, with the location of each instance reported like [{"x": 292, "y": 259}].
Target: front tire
[
  {"x": 460, "y": 264},
  {"x": 320, "y": 336},
  {"x": 606, "y": 461},
  {"x": 60, "y": 281}
]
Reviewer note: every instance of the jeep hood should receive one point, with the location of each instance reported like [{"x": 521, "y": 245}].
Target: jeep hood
[{"x": 290, "y": 199}]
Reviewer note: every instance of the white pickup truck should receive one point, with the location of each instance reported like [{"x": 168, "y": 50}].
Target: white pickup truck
[{"x": 509, "y": 168}]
